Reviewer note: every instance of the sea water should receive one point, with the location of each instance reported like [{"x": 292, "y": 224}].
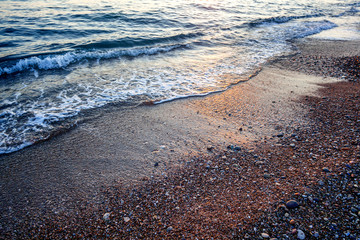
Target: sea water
[{"x": 59, "y": 59}]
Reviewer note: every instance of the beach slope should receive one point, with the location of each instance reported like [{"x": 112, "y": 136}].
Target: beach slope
[{"x": 237, "y": 150}]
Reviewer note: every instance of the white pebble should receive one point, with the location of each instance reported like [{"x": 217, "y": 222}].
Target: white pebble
[
  {"x": 265, "y": 235},
  {"x": 106, "y": 216},
  {"x": 300, "y": 234}
]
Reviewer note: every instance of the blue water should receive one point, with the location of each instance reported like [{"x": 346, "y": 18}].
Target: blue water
[{"x": 60, "y": 58}]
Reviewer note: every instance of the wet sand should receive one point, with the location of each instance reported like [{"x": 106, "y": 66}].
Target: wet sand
[{"x": 67, "y": 175}]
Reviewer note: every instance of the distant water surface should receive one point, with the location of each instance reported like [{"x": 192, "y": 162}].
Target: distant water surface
[{"x": 59, "y": 58}]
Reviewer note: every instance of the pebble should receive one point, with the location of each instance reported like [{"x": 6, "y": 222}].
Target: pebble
[
  {"x": 210, "y": 148},
  {"x": 126, "y": 219},
  {"x": 354, "y": 210},
  {"x": 292, "y": 222},
  {"x": 267, "y": 176},
  {"x": 106, "y": 216},
  {"x": 169, "y": 229},
  {"x": 291, "y": 204},
  {"x": 234, "y": 148},
  {"x": 300, "y": 234},
  {"x": 316, "y": 235},
  {"x": 265, "y": 235},
  {"x": 281, "y": 207},
  {"x": 325, "y": 169},
  {"x": 259, "y": 163}
]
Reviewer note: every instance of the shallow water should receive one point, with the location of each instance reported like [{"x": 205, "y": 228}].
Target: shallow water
[{"x": 59, "y": 58}]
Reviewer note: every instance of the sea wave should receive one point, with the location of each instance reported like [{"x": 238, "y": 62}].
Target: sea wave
[
  {"x": 308, "y": 28},
  {"x": 58, "y": 61},
  {"x": 51, "y": 31},
  {"x": 279, "y": 19},
  {"x": 127, "y": 18},
  {"x": 127, "y": 42},
  {"x": 352, "y": 11}
]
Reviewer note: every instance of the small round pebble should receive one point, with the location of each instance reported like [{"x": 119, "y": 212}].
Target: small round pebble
[
  {"x": 106, "y": 216},
  {"x": 265, "y": 235},
  {"x": 291, "y": 204}
]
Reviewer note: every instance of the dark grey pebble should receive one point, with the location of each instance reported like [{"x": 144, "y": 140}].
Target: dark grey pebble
[
  {"x": 354, "y": 210},
  {"x": 234, "y": 148},
  {"x": 291, "y": 204},
  {"x": 316, "y": 234},
  {"x": 325, "y": 169}
]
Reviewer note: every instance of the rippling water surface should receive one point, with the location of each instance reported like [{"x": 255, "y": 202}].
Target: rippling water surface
[{"x": 59, "y": 58}]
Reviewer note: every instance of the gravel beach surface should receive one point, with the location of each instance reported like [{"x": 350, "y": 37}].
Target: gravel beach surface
[{"x": 300, "y": 183}]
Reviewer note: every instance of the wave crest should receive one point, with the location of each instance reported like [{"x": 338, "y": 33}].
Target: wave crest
[
  {"x": 59, "y": 61},
  {"x": 280, "y": 19}
]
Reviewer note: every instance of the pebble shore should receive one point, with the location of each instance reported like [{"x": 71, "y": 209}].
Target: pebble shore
[{"x": 302, "y": 183}]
